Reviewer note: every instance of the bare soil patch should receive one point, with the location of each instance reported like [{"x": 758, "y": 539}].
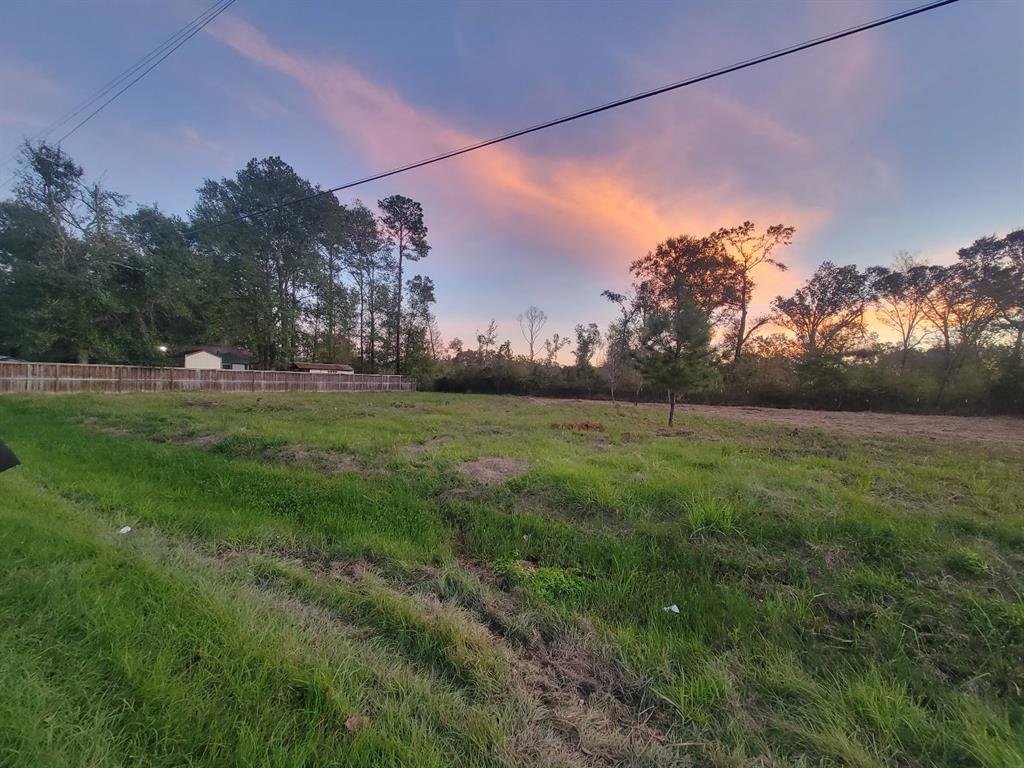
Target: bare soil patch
[
  {"x": 328, "y": 462},
  {"x": 493, "y": 470},
  {"x": 589, "y": 709},
  {"x": 201, "y": 403},
  {"x": 433, "y": 444},
  {"x": 91, "y": 422},
  {"x": 1006, "y": 431},
  {"x": 996, "y": 430},
  {"x": 198, "y": 441},
  {"x": 582, "y": 426}
]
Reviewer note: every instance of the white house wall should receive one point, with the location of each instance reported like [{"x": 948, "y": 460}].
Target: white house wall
[{"x": 202, "y": 359}]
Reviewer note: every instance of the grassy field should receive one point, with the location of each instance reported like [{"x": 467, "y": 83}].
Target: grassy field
[{"x": 422, "y": 580}]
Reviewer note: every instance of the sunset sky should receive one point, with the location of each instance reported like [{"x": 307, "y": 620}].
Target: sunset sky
[{"x": 908, "y": 137}]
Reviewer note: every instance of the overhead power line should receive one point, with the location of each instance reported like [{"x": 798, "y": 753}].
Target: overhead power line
[
  {"x": 776, "y": 54},
  {"x": 220, "y": 9},
  {"x": 191, "y": 27}
]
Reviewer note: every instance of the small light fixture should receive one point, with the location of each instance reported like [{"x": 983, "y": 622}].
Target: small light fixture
[{"x": 162, "y": 348}]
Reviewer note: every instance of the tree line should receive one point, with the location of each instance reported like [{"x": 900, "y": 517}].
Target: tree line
[
  {"x": 686, "y": 328},
  {"x": 83, "y": 278}
]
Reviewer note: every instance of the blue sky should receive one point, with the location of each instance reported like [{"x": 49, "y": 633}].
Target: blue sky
[{"x": 908, "y": 137}]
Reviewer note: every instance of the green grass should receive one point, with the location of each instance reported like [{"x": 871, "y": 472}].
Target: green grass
[{"x": 297, "y": 559}]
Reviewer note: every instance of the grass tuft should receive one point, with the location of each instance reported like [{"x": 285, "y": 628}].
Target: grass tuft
[
  {"x": 710, "y": 514},
  {"x": 967, "y": 562}
]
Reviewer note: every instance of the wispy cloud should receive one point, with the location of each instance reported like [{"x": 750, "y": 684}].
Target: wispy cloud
[{"x": 598, "y": 210}]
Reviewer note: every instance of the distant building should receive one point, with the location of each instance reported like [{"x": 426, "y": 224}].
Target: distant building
[
  {"x": 218, "y": 358},
  {"x": 322, "y": 368}
]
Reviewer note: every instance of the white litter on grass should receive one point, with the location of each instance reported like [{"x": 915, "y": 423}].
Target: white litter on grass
[
  {"x": 126, "y": 529},
  {"x": 671, "y": 608}
]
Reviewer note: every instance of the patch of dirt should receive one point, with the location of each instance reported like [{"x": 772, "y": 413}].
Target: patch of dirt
[
  {"x": 201, "y": 403},
  {"x": 675, "y": 433},
  {"x": 590, "y": 711},
  {"x": 199, "y": 441},
  {"x": 583, "y": 426},
  {"x": 1005, "y": 431},
  {"x": 493, "y": 470},
  {"x": 355, "y": 570},
  {"x": 433, "y": 444},
  {"x": 91, "y": 422},
  {"x": 328, "y": 462}
]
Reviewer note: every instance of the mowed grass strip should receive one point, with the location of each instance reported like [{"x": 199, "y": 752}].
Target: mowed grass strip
[{"x": 782, "y": 596}]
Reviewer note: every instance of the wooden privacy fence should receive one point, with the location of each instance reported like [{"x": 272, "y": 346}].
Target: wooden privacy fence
[{"x": 72, "y": 377}]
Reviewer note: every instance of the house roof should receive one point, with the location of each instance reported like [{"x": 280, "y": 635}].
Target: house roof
[{"x": 340, "y": 367}]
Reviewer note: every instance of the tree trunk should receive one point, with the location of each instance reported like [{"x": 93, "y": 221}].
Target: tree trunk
[
  {"x": 398, "y": 308},
  {"x": 372, "y": 339},
  {"x": 947, "y": 370},
  {"x": 741, "y": 329},
  {"x": 362, "y": 331},
  {"x": 671, "y": 407}
]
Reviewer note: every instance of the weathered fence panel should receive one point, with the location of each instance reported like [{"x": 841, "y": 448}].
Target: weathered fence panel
[{"x": 72, "y": 377}]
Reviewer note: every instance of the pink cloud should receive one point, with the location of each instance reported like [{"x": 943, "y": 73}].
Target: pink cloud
[{"x": 592, "y": 210}]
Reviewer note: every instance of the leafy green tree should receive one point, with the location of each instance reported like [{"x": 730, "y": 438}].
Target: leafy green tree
[
  {"x": 620, "y": 360},
  {"x": 485, "y": 341},
  {"x": 747, "y": 249},
  {"x": 420, "y": 342},
  {"x": 402, "y": 221},
  {"x": 900, "y": 296},
  {"x": 826, "y": 314},
  {"x": 61, "y": 253},
  {"x": 699, "y": 263},
  {"x": 269, "y": 260},
  {"x": 367, "y": 262},
  {"x": 965, "y": 301},
  {"x": 588, "y": 341},
  {"x": 552, "y": 347},
  {"x": 675, "y": 347},
  {"x": 171, "y": 292},
  {"x": 330, "y": 308},
  {"x": 1012, "y": 300}
]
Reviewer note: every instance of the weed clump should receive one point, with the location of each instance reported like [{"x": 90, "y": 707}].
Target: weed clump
[
  {"x": 457, "y": 586},
  {"x": 709, "y": 514},
  {"x": 700, "y": 694},
  {"x": 966, "y": 562},
  {"x": 549, "y": 583}
]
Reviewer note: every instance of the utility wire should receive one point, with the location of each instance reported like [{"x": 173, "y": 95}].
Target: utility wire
[
  {"x": 776, "y": 54},
  {"x": 117, "y": 80},
  {"x": 149, "y": 69}
]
